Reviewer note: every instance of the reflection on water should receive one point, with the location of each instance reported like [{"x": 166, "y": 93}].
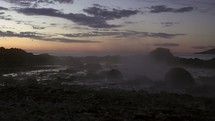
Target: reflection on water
[{"x": 41, "y": 74}]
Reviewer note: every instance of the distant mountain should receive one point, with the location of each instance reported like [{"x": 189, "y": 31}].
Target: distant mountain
[{"x": 211, "y": 51}]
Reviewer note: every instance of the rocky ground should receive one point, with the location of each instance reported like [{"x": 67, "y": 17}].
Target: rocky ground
[{"x": 85, "y": 103}]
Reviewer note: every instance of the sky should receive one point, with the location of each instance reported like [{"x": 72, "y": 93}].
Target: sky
[{"x": 107, "y": 25}]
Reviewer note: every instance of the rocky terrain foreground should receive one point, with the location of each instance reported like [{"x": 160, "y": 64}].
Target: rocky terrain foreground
[
  {"x": 84, "y": 103},
  {"x": 49, "y": 88}
]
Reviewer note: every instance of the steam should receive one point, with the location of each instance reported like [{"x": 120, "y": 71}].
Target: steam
[{"x": 135, "y": 66}]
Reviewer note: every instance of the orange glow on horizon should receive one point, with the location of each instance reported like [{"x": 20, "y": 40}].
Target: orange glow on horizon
[
  {"x": 31, "y": 44},
  {"x": 105, "y": 46}
]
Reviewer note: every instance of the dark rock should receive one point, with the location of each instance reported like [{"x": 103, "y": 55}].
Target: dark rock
[
  {"x": 179, "y": 78},
  {"x": 162, "y": 54}
]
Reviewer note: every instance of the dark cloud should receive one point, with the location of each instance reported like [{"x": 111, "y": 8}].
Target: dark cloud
[
  {"x": 37, "y": 36},
  {"x": 37, "y": 27},
  {"x": 64, "y": 1},
  {"x": 21, "y": 34},
  {"x": 35, "y": 3},
  {"x": 21, "y": 2},
  {"x": 97, "y": 18},
  {"x": 109, "y": 14},
  {"x": 68, "y": 40},
  {"x": 5, "y": 17},
  {"x": 41, "y": 11},
  {"x": 2, "y": 8},
  {"x": 164, "y": 35},
  {"x": 184, "y": 9},
  {"x": 163, "y": 8},
  {"x": 129, "y": 22},
  {"x": 203, "y": 47},
  {"x": 53, "y": 24},
  {"x": 167, "y": 44},
  {"x": 118, "y": 34},
  {"x": 81, "y": 19},
  {"x": 168, "y": 24},
  {"x": 160, "y": 8}
]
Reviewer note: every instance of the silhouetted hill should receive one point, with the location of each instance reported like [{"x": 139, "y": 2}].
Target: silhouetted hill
[
  {"x": 13, "y": 60},
  {"x": 211, "y": 51},
  {"x": 17, "y": 57}
]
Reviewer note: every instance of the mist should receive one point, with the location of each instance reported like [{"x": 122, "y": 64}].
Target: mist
[
  {"x": 156, "y": 71},
  {"x": 134, "y": 66}
]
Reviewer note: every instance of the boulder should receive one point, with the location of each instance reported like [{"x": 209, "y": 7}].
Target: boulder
[{"x": 179, "y": 78}]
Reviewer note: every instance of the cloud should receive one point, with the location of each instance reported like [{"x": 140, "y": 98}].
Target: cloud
[
  {"x": 184, "y": 9},
  {"x": 202, "y": 5},
  {"x": 167, "y": 44},
  {"x": 121, "y": 34},
  {"x": 65, "y": 40},
  {"x": 31, "y": 23},
  {"x": 163, "y": 8},
  {"x": 5, "y": 17},
  {"x": 164, "y": 35},
  {"x": 37, "y": 36},
  {"x": 80, "y": 19},
  {"x": 203, "y": 47},
  {"x": 168, "y": 24},
  {"x": 21, "y": 34},
  {"x": 37, "y": 27},
  {"x": 97, "y": 15},
  {"x": 53, "y": 24},
  {"x": 35, "y": 3},
  {"x": 109, "y": 14},
  {"x": 64, "y": 1},
  {"x": 2, "y": 8}
]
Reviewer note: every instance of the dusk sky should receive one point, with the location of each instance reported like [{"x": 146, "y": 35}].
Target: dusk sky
[{"x": 108, "y": 25}]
